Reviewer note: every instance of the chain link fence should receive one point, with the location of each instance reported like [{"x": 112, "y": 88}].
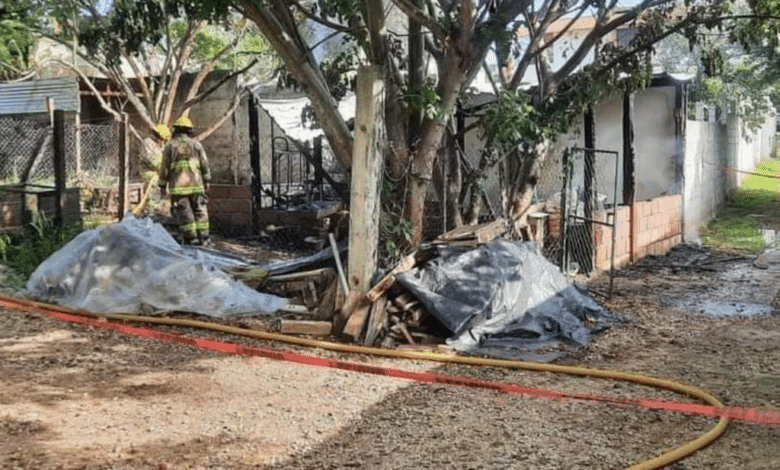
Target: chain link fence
[
  {"x": 578, "y": 194},
  {"x": 100, "y": 150},
  {"x": 22, "y": 142},
  {"x": 27, "y": 151},
  {"x": 27, "y": 174}
]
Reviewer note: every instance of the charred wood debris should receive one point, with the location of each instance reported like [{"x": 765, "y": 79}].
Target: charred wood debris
[{"x": 387, "y": 315}]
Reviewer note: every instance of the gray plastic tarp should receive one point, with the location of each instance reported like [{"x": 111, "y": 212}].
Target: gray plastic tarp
[
  {"x": 136, "y": 266},
  {"x": 504, "y": 299}
]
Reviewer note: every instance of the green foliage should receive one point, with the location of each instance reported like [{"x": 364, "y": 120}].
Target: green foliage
[
  {"x": 16, "y": 39},
  {"x": 343, "y": 11},
  {"x": 131, "y": 24},
  {"x": 395, "y": 232},
  {"x": 737, "y": 224},
  {"x": 211, "y": 40},
  {"x": 23, "y": 253},
  {"x": 512, "y": 120},
  {"x": 340, "y": 69},
  {"x": 428, "y": 101}
]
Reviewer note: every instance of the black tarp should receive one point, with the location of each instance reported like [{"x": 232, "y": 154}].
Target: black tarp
[{"x": 504, "y": 299}]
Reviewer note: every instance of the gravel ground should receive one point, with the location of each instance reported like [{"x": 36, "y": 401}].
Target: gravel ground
[{"x": 73, "y": 397}]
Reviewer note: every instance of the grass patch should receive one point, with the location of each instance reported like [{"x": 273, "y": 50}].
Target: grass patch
[
  {"x": 753, "y": 206},
  {"x": 22, "y": 253}
]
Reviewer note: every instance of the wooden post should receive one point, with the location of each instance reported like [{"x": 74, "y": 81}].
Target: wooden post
[
  {"x": 124, "y": 165},
  {"x": 367, "y": 164},
  {"x": 60, "y": 181},
  {"x": 254, "y": 152}
]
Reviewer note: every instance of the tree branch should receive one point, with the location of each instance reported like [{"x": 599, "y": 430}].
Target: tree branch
[
  {"x": 318, "y": 19},
  {"x": 421, "y": 17},
  {"x": 207, "y": 68},
  {"x": 198, "y": 98},
  {"x": 184, "y": 49},
  {"x": 598, "y": 32}
]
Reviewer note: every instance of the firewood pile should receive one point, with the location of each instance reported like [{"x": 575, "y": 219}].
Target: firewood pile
[{"x": 387, "y": 315}]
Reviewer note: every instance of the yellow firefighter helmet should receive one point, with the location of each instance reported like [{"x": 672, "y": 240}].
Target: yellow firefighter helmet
[
  {"x": 183, "y": 121},
  {"x": 162, "y": 131}
]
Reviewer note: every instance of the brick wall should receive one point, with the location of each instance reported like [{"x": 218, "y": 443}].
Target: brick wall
[
  {"x": 230, "y": 209},
  {"x": 647, "y": 228}
]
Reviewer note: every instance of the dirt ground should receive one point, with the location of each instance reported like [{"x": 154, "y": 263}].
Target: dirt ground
[{"x": 73, "y": 397}]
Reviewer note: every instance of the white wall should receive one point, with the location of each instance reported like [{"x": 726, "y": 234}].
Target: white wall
[
  {"x": 717, "y": 157},
  {"x": 705, "y": 181}
]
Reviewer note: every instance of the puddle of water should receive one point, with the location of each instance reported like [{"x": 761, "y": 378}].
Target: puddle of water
[{"x": 734, "y": 309}]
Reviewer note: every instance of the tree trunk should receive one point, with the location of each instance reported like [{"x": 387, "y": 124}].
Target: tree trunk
[
  {"x": 522, "y": 176},
  {"x": 453, "y": 183},
  {"x": 278, "y": 26}
]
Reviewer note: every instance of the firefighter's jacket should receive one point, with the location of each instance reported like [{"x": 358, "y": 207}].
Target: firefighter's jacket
[
  {"x": 152, "y": 159},
  {"x": 185, "y": 167}
]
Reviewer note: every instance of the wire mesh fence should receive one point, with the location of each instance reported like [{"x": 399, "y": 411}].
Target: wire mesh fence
[
  {"x": 27, "y": 151},
  {"x": 578, "y": 190},
  {"x": 22, "y": 142},
  {"x": 588, "y": 206},
  {"x": 99, "y": 150}
]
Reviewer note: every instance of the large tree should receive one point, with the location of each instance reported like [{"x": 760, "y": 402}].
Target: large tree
[
  {"x": 147, "y": 67},
  {"x": 458, "y": 38}
]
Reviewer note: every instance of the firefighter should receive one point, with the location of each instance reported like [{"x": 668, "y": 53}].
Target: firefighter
[
  {"x": 185, "y": 173},
  {"x": 154, "y": 148}
]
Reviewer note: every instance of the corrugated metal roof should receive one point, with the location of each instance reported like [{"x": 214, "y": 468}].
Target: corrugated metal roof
[{"x": 30, "y": 97}]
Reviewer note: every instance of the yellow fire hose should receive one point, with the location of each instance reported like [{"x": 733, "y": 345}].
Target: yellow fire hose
[{"x": 661, "y": 461}]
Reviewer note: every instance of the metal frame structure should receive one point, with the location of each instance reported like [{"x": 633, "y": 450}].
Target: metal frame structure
[{"x": 573, "y": 223}]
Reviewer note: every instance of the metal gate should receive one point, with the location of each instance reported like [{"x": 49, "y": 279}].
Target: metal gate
[
  {"x": 589, "y": 201},
  {"x": 292, "y": 182}
]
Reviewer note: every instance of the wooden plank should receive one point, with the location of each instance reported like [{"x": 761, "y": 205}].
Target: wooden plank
[
  {"x": 406, "y": 263},
  {"x": 306, "y": 327},
  {"x": 457, "y": 243},
  {"x": 480, "y": 233},
  {"x": 357, "y": 320},
  {"x": 491, "y": 231},
  {"x": 299, "y": 275},
  {"x": 296, "y": 309},
  {"x": 377, "y": 318},
  {"x": 367, "y": 170},
  {"x": 406, "y": 334},
  {"x": 467, "y": 231},
  {"x": 350, "y": 304},
  {"x": 327, "y": 306}
]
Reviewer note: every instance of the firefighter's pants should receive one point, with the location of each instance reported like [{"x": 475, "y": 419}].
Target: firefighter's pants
[{"x": 192, "y": 215}]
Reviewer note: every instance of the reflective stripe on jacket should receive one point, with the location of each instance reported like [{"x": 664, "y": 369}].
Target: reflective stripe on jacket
[{"x": 185, "y": 167}]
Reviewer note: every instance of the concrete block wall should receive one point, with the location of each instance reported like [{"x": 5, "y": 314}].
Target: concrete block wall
[
  {"x": 230, "y": 209},
  {"x": 705, "y": 179},
  {"x": 717, "y": 159}
]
